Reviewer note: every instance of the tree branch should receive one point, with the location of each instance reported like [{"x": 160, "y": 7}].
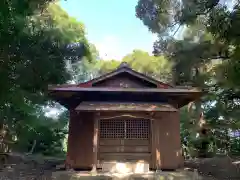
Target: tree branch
[{"x": 177, "y": 30}]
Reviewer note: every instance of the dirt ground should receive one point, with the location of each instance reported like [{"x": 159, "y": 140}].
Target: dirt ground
[
  {"x": 32, "y": 168},
  {"x": 19, "y": 167},
  {"x": 221, "y": 167}
]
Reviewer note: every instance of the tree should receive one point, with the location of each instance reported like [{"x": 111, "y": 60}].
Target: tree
[
  {"x": 219, "y": 19},
  {"x": 156, "y": 67},
  {"x": 206, "y": 56},
  {"x": 107, "y": 66},
  {"x": 35, "y": 38},
  {"x": 85, "y": 70}
]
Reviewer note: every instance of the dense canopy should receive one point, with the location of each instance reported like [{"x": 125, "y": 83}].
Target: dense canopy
[
  {"x": 205, "y": 55},
  {"x": 198, "y": 44}
]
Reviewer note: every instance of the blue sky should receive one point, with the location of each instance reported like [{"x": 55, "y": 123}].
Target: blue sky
[{"x": 111, "y": 25}]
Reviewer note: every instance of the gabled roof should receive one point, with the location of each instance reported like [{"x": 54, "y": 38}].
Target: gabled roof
[
  {"x": 123, "y": 68},
  {"x": 158, "y": 92},
  {"x": 72, "y": 96}
]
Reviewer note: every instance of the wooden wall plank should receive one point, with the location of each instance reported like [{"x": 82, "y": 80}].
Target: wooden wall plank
[
  {"x": 126, "y": 142},
  {"x": 125, "y": 157},
  {"x": 166, "y": 141},
  {"x": 127, "y": 149}
]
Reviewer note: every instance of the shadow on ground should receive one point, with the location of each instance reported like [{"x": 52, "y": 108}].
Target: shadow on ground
[{"x": 178, "y": 175}]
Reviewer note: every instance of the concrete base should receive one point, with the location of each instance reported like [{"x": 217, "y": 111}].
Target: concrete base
[
  {"x": 125, "y": 167},
  {"x": 178, "y": 175}
]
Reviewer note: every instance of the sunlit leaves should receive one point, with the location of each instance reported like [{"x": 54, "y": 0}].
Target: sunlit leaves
[
  {"x": 156, "y": 67},
  {"x": 34, "y": 38},
  {"x": 206, "y": 55}
]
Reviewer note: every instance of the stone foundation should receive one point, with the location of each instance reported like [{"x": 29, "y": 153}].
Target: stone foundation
[{"x": 125, "y": 167}]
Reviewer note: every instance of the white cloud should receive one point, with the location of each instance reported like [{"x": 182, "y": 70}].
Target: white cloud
[
  {"x": 113, "y": 47},
  {"x": 110, "y": 47}
]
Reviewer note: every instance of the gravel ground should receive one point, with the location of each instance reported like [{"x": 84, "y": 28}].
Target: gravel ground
[
  {"x": 221, "y": 168},
  {"x": 19, "y": 168},
  {"x": 25, "y": 175}
]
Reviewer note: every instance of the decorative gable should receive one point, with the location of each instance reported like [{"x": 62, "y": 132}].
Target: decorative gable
[
  {"x": 124, "y": 80},
  {"x": 125, "y": 77}
]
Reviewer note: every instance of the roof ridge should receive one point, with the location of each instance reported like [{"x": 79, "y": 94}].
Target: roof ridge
[{"x": 124, "y": 64}]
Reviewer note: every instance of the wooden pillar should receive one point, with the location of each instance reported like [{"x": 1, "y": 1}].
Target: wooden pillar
[
  {"x": 69, "y": 163},
  {"x": 80, "y": 141},
  {"x": 95, "y": 142}
]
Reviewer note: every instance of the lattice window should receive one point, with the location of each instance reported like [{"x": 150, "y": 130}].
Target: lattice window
[
  {"x": 112, "y": 128},
  {"x": 125, "y": 129},
  {"x": 137, "y": 128}
]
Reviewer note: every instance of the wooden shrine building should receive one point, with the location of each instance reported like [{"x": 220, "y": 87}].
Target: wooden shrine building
[{"x": 124, "y": 116}]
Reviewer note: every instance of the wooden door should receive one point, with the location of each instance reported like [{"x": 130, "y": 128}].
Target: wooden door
[{"x": 124, "y": 140}]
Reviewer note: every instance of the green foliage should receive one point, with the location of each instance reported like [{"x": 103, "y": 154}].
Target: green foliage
[
  {"x": 207, "y": 56},
  {"x": 85, "y": 70},
  {"x": 156, "y": 67},
  {"x": 37, "y": 39},
  {"x": 107, "y": 66},
  {"x": 46, "y": 133},
  {"x": 216, "y": 18},
  {"x": 41, "y": 45}
]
